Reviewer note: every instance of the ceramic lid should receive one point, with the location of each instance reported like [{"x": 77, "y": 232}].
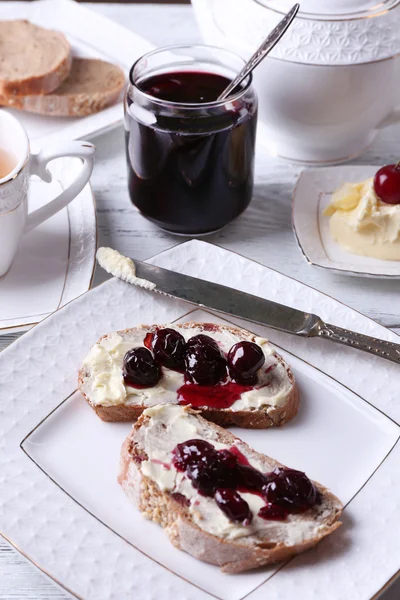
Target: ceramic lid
[
  {"x": 333, "y": 9},
  {"x": 325, "y": 32}
]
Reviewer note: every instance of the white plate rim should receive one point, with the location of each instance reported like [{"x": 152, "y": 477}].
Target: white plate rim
[
  {"x": 391, "y": 335},
  {"x": 301, "y": 236}
]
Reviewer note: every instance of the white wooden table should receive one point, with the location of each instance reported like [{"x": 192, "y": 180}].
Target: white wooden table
[{"x": 263, "y": 233}]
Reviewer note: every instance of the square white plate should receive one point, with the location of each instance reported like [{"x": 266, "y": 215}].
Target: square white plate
[
  {"x": 55, "y": 262},
  {"x": 312, "y": 195},
  {"x": 90, "y": 35},
  {"x": 59, "y": 500}
]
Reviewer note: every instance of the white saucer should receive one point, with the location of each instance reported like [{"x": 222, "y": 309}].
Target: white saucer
[
  {"x": 55, "y": 262},
  {"x": 312, "y": 194}
]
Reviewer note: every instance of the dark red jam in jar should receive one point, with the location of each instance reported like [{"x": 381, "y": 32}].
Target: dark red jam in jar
[{"x": 190, "y": 158}]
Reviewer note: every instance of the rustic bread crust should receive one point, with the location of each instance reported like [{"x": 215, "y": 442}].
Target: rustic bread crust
[
  {"x": 71, "y": 101},
  {"x": 174, "y": 517},
  {"x": 251, "y": 419},
  {"x": 42, "y": 83}
]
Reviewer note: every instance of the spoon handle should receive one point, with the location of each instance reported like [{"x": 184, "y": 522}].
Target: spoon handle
[{"x": 262, "y": 51}]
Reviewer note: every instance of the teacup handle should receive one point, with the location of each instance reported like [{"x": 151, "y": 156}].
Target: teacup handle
[
  {"x": 38, "y": 166},
  {"x": 391, "y": 119}
]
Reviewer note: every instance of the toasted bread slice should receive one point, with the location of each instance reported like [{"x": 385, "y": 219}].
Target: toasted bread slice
[
  {"x": 273, "y": 401},
  {"x": 91, "y": 86},
  {"x": 194, "y": 522},
  {"x": 34, "y": 60}
]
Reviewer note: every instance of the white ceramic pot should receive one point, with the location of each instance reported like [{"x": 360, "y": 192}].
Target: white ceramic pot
[{"x": 332, "y": 81}]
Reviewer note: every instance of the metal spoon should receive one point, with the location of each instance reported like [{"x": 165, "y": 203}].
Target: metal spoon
[{"x": 265, "y": 48}]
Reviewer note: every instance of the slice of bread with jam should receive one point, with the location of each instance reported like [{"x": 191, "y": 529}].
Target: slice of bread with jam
[
  {"x": 230, "y": 375},
  {"x": 217, "y": 498}
]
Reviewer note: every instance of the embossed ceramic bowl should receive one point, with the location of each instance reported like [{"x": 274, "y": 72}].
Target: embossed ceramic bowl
[{"x": 332, "y": 81}]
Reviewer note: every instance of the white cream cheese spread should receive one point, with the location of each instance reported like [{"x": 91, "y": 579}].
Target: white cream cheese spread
[
  {"x": 362, "y": 224},
  {"x": 171, "y": 425},
  {"x": 122, "y": 267},
  {"x": 104, "y": 384}
]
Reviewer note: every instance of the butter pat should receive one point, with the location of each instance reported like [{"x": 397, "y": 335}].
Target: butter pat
[
  {"x": 362, "y": 224},
  {"x": 122, "y": 267}
]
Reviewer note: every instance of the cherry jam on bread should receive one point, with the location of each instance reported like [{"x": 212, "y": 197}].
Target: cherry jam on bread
[
  {"x": 140, "y": 368},
  {"x": 169, "y": 348},
  {"x": 222, "y": 474},
  {"x": 204, "y": 362},
  {"x": 245, "y": 359},
  {"x": 214, "y": 396},
  {"x": 233, "y": 505},
  {"x": 204, "y": 366}
]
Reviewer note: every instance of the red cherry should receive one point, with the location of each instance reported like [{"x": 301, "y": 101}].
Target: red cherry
[
  {"x": 168, "y": 348},
  {"x": 244, "y": 360},
  {"x": 233, "y": 505},
  {"x": 271, "y": 512},
  {"x": 387, "y": 184},
  {"x": 140, "y": 368}
]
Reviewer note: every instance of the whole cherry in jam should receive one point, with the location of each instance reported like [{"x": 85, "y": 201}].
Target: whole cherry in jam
[
  {"x": 169, "y": 348},
  {"x": 206, "y": 476},
  {"x": 213, "y": 472},
  {"x": 204, "y": 363},
  {"x": 201, "y": 340},
  {"x": 228, "y": 459},
  {"x": 271, "y": 512},
  {"x": 250, "y": 479},
  {"x": 290, "y": 490},
  {"x": 140, "y": 368},
  {"x": 387, "y": 184},
  {"x": 207, "y": 468},
  {"x": 244, "y": 360},
  {"x": 233, "y": 505},
  {"x": 192, "y": 452}
]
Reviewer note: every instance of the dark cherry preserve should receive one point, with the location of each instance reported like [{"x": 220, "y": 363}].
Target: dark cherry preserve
[
  {"x": 221, "y": 474},
  {"x": 190, "y": 169}
]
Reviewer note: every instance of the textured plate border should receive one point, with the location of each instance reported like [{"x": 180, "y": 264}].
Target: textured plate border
[
  {"x": 305, "y": 220},
  {"x": 361, "y": 373}
]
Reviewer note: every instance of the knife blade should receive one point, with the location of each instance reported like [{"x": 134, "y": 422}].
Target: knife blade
[
  {"x": 228, "y": 301},
  {"x": 251, "y": 308}
]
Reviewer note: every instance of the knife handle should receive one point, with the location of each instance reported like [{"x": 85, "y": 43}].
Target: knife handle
[{"x": 381, "y": 348}]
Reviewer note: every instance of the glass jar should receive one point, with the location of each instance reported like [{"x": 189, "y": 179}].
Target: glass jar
[{"x": 190, "y": 157}]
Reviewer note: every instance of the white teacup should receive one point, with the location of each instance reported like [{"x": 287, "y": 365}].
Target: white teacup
[{"x": 15, "y": 219}]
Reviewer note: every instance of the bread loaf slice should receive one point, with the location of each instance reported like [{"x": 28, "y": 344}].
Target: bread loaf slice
[
  {"x": 273, "y": 401},
  {"x": 91, "y": 86},
  {"x": 33, "y": 60},
  {"x": 195, "y": 523}
]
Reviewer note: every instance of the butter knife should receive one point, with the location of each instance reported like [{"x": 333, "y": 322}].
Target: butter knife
[{"x": 257, "y": 310}]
